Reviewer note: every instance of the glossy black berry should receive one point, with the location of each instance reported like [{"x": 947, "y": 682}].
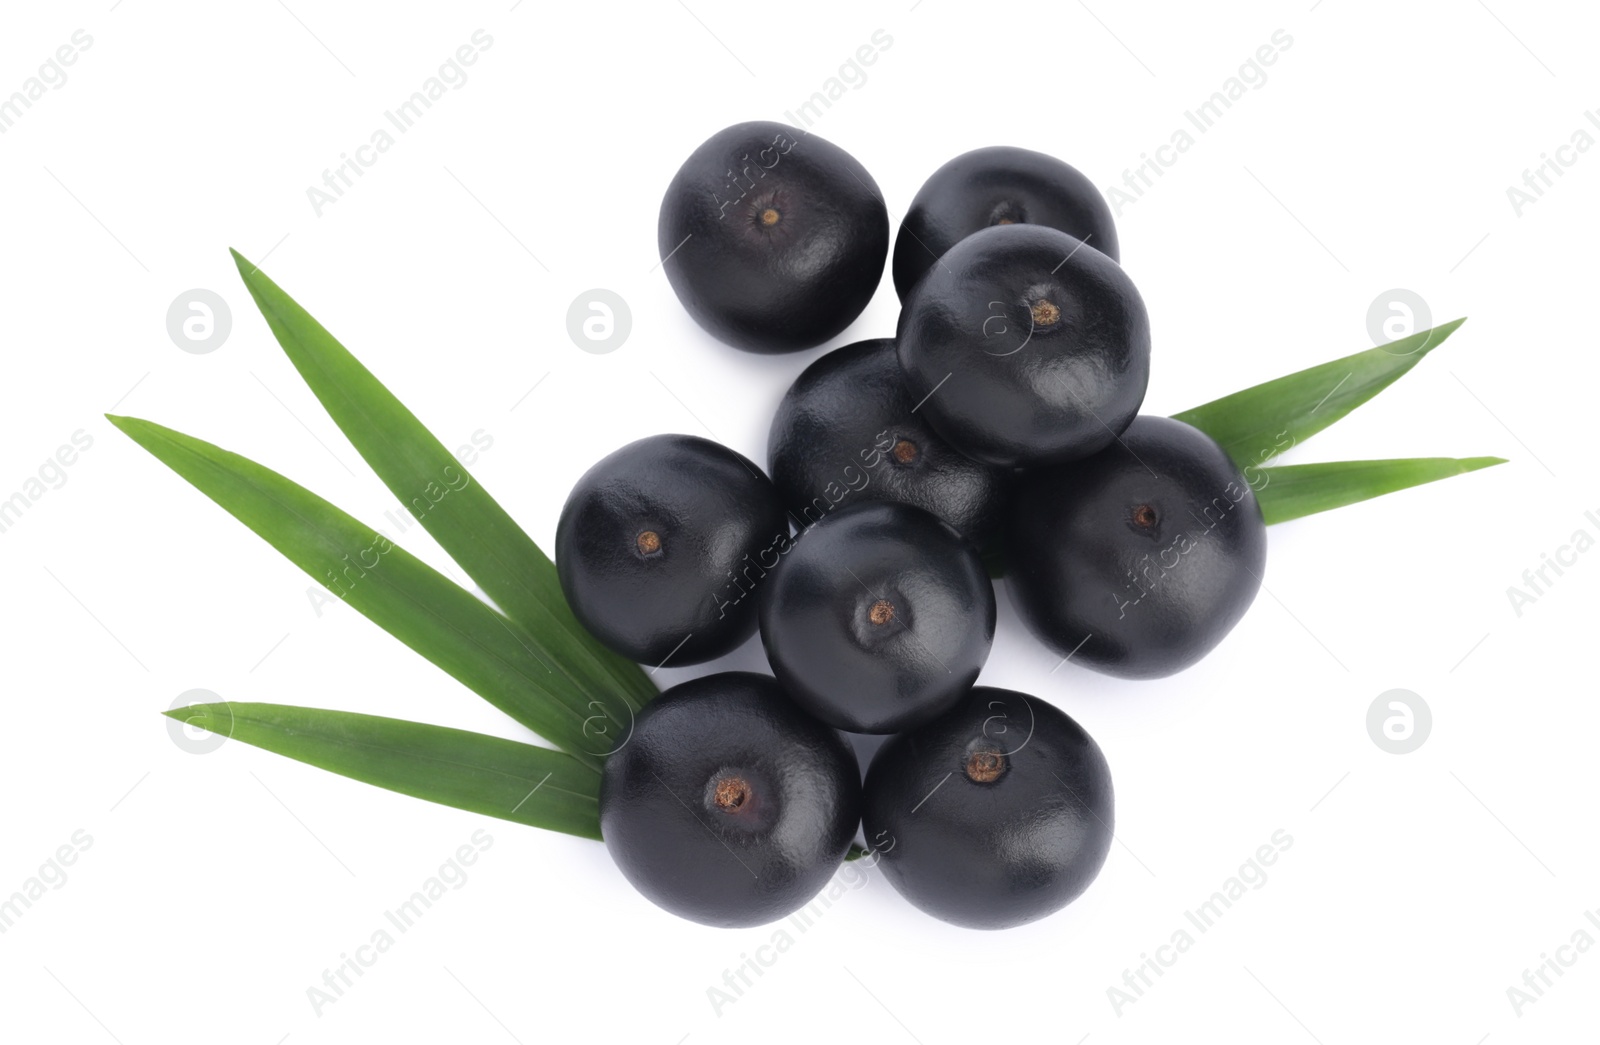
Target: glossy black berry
[
  {"x": 997, "y": 813},
  {"x": 728, "y": 805},
  {"x": 1142, "y": 557},
  {"x": 879, "y": 618},
  {"x": 999, "y": 185},
  {"x": 651, "y": 539},
  {"x": 1029, "y": 347},
  {"x": 848, "y": 431},
  {"x": 773, "y": 239}
]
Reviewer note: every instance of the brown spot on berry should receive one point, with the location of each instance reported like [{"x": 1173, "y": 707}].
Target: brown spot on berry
[
  {"x": 905, "y": 451},
  {"x": 731, "y": 793},
  {"x": 985, "y": 767}
]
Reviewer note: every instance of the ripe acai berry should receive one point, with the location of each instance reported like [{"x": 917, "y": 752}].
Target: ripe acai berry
[
  {"x": 1000, "y": 185},
  {"x": 879, "y": 618},
  {"x": 847, "y": 431},
  {"x": 997, "y": 813},
  {"x": 1028, "y": 347},
  {"x": 728, "y": 805},
  {"x": 773, "y": 239},
  {"x": 1140, "y": 558},
  {"x": 649, "y": 538}
]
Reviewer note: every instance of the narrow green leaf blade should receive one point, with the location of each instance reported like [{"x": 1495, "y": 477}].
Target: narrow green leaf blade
[
  {"x": 1293, "y": 490},
  {"x": 481, "y": 774},
  {"x": 492, "y": 656},
  {"x": 1259, "y": 423},
  {"x": 440, "y": 492}
]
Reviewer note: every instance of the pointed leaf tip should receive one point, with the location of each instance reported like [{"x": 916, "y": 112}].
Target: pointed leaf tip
[
  {"x": 470, "y": 525},
  {"x": 515, "y": 670},
  {"x": 1293, "y": 491},
  {"x": 1256, "y": 424}
]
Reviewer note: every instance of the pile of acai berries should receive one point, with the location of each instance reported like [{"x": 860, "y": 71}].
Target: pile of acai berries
[{"x": 1000, "y": 425}]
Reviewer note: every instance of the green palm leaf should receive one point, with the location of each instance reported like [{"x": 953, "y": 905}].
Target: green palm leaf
[
  {"x": 496, "y": 658},
  {"x": 1294, "y": 490},
  {"x": 481, "y": 774},
  {"x": 437, "y": 489},
  {"x": 1258, "y": 423}
]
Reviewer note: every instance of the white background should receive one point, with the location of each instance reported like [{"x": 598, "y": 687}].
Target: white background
[{"x": 1376, "y": 155}]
